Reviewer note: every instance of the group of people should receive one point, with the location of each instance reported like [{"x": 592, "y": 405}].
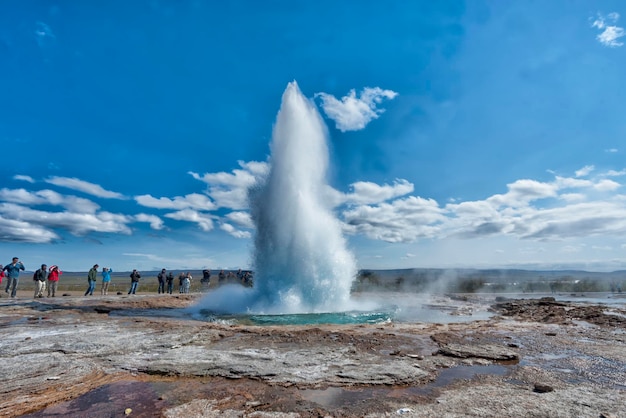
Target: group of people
[
  {"x": 43, "y": 277},
  {"x": 47, "y": 279},
  {"x": 165, "y": 278}
]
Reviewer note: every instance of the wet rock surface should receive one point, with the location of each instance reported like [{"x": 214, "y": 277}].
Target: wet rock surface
[{"x": 96, "y": 357}]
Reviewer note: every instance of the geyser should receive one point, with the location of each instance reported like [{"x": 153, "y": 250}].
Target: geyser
[{"x": 300, "y": 257}]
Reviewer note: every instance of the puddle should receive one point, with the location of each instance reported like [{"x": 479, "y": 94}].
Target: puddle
[
  {"x": 335, "y": 397},
  {"x": 109, "y": 401}
]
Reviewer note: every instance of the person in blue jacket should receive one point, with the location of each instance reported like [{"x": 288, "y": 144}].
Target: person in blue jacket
[{"x": 13, "y": 275}]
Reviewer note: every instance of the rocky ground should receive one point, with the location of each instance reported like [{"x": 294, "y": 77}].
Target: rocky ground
[{"x": 141, "y": 356}]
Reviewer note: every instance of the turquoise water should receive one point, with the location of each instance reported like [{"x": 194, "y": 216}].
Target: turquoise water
[{"x": 351, "y": 317}]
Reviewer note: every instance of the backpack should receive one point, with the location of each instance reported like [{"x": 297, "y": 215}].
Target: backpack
[{"x": 35, "y": 275}]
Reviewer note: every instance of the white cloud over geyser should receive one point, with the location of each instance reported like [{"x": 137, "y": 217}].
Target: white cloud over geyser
[
  {"x": 84, "y": 186},
  {"x": 353, "y": 113},
  {"x": 609, "y": 31}
]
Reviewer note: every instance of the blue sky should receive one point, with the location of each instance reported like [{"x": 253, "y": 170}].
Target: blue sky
[{"x": 462, "y": 134}]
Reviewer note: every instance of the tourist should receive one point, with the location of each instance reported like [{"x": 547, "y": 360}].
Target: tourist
[
  {"x": 221, "y": 276},
  {"x": 134, "y": 281},
  {"x": 13, "y": 275},
  {"x": 170, "y": 282},
  {"x": 162, "y": 277},
  {"x": 53, "y": 280},
  {"x": 187, "y": 282},
  {"x": 91, "y": 280},
  {"x": 106, "y": 280},
  {"x": 40, "y": 277},
  {"x": 181, "y": 279},
  {"x": 206, "y": 278}
]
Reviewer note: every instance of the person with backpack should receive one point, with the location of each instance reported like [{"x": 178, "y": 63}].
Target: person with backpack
[
  {"x": 40, "y": 276},
  {"x": 13, "y": 275},
  {"x": 134, "y": 281},
  {"x": 53, "y": 280},
  {"x": 91, "y": 279}
]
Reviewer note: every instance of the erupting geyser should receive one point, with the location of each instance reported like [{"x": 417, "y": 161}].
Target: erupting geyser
[{"x": 300, "y": 258}]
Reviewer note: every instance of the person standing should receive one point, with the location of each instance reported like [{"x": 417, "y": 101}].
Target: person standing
[
  {"x": 91, "y": 279},
  {"x": 134, "y": 281},
  {"x": 106, "y": 279},
  {"x": 162, "y": 277},
  {"x": 170, "y": 282},
  {"x": 53, "y": 280},
  {"x": 206, "y": 279},
  {"x": 13, "y": 275},
  {"x": 181, "y": 280},
  {"x": 187, "y": 282},
  {"x": 40, "y": 277}
]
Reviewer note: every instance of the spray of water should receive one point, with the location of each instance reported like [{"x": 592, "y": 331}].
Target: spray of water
[{"x": 300, "y": 258}]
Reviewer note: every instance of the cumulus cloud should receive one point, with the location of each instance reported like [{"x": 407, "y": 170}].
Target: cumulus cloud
[
  {"x": 563, "y": 208},
  {"x": 609, "y": 31},
  {"x": 403, "y": 220},
  {"x": 76, "y": 223},
  {"x": 353, "y": 113},
  {"x": 231, "y": 230},
  {"x": 365, "y": 192},
  {"x": 230, "y": 190},
  {"x": 204, "y": 221},
  {"x": 241, "y": 218},
  {"x": 154, "y": 221},
  {"x": 48, "y": 197},
  {"x": 83, "y": 186},
  {"x": 12, "y": 230},
  {"x": 191, "y": 201}
]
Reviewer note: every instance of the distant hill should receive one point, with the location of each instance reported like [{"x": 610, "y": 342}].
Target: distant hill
[{"x": 470, "y": 280}]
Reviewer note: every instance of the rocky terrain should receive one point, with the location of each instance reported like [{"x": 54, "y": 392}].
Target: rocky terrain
[{"x": 142, "y": 356}]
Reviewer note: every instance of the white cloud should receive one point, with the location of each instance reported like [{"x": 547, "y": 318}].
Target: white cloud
[
  {"x": 606, "y": 185},
  {"x": 610, "y": 33},
  {"x": 48, "y": 197},
  {"x": 365, "y": 192},
  {"x": 76, "y": 223},
  {"x": 12, "y": 230},
  {"x": 190, "y": 201},
  {"x": 614, "y": 173},
  {"x": 23, "y": 178},
  {"x": 584, "y": 171},
  {"x": 154, "y": 221},
  {"x": 231, "y": 190},
  {"x": 241, "y": 218},
  {"x": 353, "y": 113},
  {"x": 231, "y": 230},
  {"x": 84, "y": 186},
  {"x": 204, "y": 221}
]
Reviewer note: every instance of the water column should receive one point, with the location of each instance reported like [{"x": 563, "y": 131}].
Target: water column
[{"x": 300, "y": 257}]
